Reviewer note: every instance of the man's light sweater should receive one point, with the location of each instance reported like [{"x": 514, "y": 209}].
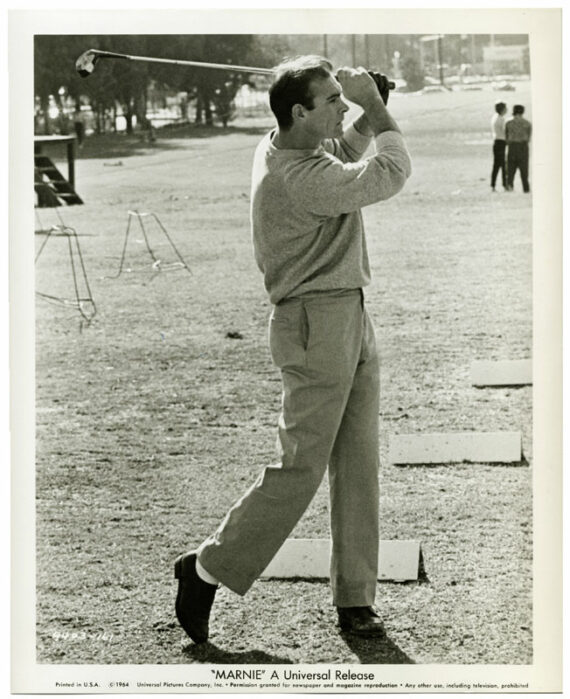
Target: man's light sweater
[{"x": 305, "y": 210}]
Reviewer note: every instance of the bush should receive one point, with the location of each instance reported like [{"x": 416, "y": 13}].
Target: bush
[
  {"x": 413, "y": 73},
  {"x": 223, "y": 99}
]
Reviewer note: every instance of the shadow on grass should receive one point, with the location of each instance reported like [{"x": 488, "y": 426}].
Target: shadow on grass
[
  {"x": 380, "y": 651},
  {"x": 210, "y": 653},
  {"x": 123, "y": 145},
  {"x": 450, "y": 464},
  {"x": 197, "y": 131}
]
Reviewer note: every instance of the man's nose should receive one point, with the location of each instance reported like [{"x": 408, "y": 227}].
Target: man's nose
[{"x": 344, "y": 106}]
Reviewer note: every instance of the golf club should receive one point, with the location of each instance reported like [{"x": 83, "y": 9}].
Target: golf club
[{"x": 85, "y": 64}]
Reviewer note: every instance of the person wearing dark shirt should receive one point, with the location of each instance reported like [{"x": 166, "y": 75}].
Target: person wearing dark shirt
[{"x": 517, "y": 133}]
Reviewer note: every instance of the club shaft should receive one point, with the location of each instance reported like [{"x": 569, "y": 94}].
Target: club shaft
[
  {"x": 180, "y": 62},
  {"x": 86, "y": 62}
]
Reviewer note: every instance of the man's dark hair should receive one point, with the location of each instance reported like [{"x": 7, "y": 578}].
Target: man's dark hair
[
  {"x": 518, "y": 109},
  {"x": 500, "y": 106},
  {"x": 291, "y": 85}
]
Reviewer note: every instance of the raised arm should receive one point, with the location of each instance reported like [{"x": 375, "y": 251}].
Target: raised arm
[
  {"x": 329, "y": 186},
  {"x": 359, "y": 87}
]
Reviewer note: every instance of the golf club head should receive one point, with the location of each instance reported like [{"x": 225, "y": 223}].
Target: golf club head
[{"x": 85, "y": 64}]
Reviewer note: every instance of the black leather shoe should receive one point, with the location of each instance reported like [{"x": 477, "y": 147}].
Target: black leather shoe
[
  {"x": 194, "y": 600},
  {"x": 361, "y": 621}
]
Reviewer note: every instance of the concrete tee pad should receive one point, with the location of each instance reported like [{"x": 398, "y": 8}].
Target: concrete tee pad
[
  {"x": 441, "y": 448},
  {"x": 517, "y": 372},
  {"x": 310, "y": 558}
]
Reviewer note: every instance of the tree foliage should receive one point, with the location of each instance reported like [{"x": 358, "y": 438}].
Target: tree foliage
[
  {"x": 412, "y": 73},
  {"x": 126, "y": 83}
]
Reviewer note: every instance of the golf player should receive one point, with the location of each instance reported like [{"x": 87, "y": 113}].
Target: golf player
[{"x": 310, "y": 180}]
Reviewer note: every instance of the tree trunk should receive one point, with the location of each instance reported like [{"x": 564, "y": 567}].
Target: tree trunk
[
  {"x": 204, "y": 103},
  {"x": 143, "y": 122},
  {"x": 44, "y": 104},
  {"x": 128, "y": 113},
  {"x": 61, "y": 118},
  {"x": 198, "y": 119},
  {"x": 140, "y": 109},
  {"x": 209, "y": 115}
]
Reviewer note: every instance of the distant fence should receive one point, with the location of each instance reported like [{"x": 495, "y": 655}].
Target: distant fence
[
  {"x": 248, "y": 102},
  {"x": 252, "y": 102}
]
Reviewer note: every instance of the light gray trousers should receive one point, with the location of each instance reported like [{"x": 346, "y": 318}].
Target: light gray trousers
[{"x": 324, "y": 345}]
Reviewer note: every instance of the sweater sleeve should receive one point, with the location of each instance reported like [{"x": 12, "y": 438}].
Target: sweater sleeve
[
  {"x": 350, "y": 148},
  {"x": 326, "y": 186}
]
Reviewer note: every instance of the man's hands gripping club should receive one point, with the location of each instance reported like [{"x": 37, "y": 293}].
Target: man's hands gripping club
[
  {"x": 382, "y": 84},
  {"x": 359, "y": 84},
  {"x": 369, "y": 91}
]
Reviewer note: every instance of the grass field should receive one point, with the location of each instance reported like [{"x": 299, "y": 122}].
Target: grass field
[{"x": 154, "y": 419}]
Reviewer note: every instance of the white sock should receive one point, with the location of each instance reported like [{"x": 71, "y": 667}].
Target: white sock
[{"x": 204, "y": 575}]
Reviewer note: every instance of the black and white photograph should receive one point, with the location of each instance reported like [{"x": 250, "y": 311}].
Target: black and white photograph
[{"x": 285, "y": 351}]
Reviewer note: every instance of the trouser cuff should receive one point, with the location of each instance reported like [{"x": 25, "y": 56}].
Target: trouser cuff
[{"x": 354, "y": 596}]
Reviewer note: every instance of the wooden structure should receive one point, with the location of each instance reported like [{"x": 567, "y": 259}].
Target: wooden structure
[{"x": 52, "y": 188}]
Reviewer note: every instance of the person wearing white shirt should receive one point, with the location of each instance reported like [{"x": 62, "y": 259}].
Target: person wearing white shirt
[{"x": 499, "y": 145}]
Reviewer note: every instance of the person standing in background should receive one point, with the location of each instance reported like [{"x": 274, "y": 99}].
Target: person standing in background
[
  {"x": 517, "y": 132},
  {"x": 499, "y": 144}
]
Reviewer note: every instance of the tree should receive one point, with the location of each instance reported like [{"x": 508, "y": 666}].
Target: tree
[
  {"x": 206, "y": 85},
  {"x": 52, "y": 70},
  {"x": 412, "y": 73},
  {"x": 227, "y": 48},
  {"x": 129, "y": 80},
  {"x": 126, "y": 83},
  {"x": 223, "y": 98}
]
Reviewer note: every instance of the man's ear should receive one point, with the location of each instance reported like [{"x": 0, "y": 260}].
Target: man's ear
[{"x": 298, "y": 111}]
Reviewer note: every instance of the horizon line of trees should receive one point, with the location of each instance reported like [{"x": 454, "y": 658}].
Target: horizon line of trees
[{"x": 125, "y": 86}]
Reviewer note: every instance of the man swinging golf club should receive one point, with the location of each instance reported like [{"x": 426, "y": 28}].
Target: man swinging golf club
[{"x": 309, "y": 182}]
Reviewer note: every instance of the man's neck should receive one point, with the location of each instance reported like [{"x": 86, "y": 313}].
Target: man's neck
[{"x": 295, "y": 140}]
